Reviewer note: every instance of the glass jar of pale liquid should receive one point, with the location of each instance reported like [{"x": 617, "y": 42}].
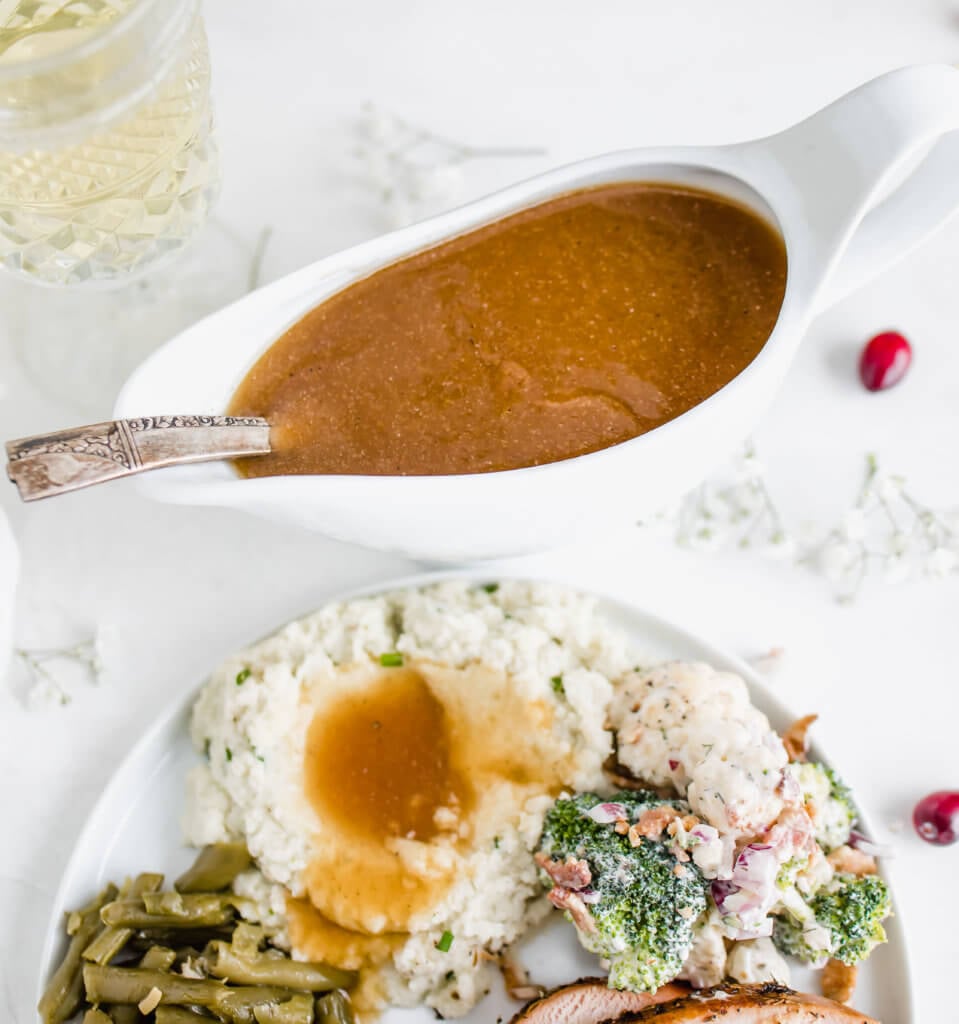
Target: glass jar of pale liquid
[{"x": 107, "y": 161}]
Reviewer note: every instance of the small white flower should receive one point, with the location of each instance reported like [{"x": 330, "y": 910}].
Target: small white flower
[
  {"x": 941, "y": 561},
  {"x": 836, "y": 559},
  {"x": 854, "y": 524},
  {"x": 889, "y": 488}
]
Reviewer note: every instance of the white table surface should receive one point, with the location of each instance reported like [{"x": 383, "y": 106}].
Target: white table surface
[{"x": 174, "y": 589}]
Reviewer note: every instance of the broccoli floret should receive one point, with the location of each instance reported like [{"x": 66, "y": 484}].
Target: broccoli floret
[
  {"x": 845, "y": 921},
  {"x": 642, "y": 901},
  {"x": 830, "y": 800}
]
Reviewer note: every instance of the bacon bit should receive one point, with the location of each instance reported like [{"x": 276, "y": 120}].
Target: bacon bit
[
  {"x": 516, "y": 980},
  {"x": 690, "y": 821},
  {"x": 679, "y": 871},
  {"x": 571, "y": 873},
  {"x": 633, "y": 835},
  {"x": 621, "y": 827},
  {"x": 652, "y": 822},
  {"x": 680, "y": 854},
  {"x": 838, "y": 981},
  {"x": 566, "y": 899},
  {"x": 795, "y": 740},
  {"x": 847, "y": 861}
]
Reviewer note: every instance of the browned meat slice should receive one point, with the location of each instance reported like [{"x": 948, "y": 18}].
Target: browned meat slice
[
  {"x": 591, "y": 1001},
  {"x": 748, "y": 1004}
]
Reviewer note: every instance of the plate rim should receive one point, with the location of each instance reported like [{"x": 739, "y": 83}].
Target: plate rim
[{"x": 473, "y": 574}]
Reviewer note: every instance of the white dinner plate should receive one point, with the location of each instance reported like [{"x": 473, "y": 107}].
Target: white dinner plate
[{"x": 135, "y": 827}]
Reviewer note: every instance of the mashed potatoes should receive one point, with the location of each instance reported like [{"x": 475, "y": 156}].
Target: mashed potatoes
[{"x": 516, "y": 678}]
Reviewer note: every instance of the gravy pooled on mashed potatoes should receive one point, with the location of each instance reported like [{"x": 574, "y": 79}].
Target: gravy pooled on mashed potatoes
[{"x": 557, "y": 331}]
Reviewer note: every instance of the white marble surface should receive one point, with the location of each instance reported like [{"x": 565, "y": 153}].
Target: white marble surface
[{"x": 174, "y": 589}]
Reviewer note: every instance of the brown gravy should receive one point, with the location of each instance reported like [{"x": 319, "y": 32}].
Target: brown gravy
[
  {"x": 565, "y": 328},
  {"x": 410, "y": 771}
]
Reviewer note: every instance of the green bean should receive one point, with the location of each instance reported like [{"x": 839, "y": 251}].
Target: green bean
[
  {"x": 223, "y": 961},
  {"x": 333, "y": 1008},
  {"x": 298, "y": 1010},
  {"x": 134, "y": 984},
  {"x": 64, "y": 992},
  {"x": 124, "y": 1014},
  {"x": 179, "y": 1015},
  {"x": 215, "y": 868},
  {"x": 111, "y": 941},
  {"x": 158, "y": 958},
  {"x": 247, "y": 939},
  {"x": 169, "y": 910},
  {"x": 96, "y": 1016},
  {"x": 178, "y": 937}
]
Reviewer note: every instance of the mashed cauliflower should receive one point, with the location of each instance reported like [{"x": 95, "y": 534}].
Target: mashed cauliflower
[{"x": 251, "y": 723}]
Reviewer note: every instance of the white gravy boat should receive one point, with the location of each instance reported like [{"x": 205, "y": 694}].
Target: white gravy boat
[{"x": 825, "y": 183}]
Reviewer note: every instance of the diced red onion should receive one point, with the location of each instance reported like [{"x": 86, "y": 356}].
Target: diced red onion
[
  {"x": 588, "y": 895},
  {"x": 606, "y": 814},
  {"x": 673, "y": 764},
  {"x": 859, "y": 842}
]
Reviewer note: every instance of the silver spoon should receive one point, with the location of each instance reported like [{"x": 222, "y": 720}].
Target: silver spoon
[{"x": 49, "y": 464}]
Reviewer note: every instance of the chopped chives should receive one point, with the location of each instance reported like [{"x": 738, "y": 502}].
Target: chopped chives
[
  {"x": 446, "y": 940},
  {"x": 557, "y": 683},
  {"x": 391, "y": 659},
  {"x": 490, "y": 588},
  {"x": 243, "y": 675}
]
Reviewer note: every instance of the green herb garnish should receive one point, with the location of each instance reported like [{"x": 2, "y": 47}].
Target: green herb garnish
[
  {"x": 446, "y": 940},
  {"x": 557, "y": 684},
  {"x": 391, "y": 659},
  {"x": 243, "y": 675}
]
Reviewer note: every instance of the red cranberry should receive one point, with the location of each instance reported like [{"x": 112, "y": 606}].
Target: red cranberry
[
  {"x": 884, "y": 360},
  {"x": 936, "y": 817}
]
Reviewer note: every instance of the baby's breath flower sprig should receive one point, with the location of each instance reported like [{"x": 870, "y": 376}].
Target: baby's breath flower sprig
[
  {"x": 410, "y": 167},
  {"x": 738, "y": 513},
  {"x": 887, "y": 533},
  {"x": 44, "y": 668}
]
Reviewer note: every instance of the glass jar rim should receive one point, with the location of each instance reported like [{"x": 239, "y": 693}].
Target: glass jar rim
[{"x": 142, "y": 42}]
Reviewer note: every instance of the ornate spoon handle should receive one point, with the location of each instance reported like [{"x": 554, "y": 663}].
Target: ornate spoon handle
[{"x": 67, "y": 460}]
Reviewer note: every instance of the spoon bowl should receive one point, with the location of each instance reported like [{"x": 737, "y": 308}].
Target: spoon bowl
[{"x": 824, "y": 184}]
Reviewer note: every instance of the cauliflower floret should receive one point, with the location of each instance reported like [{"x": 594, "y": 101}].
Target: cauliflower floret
[
  {"x": 705, "y": 965},
  {"x": 685, "y": 724},
  {"x": 757, "y": 960}
]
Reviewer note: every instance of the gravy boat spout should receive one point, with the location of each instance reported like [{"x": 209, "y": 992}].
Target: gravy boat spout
[{"x": 826, "y": 184}]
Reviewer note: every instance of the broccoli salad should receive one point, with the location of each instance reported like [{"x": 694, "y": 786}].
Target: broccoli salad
[{"x": 728, "y": 855}]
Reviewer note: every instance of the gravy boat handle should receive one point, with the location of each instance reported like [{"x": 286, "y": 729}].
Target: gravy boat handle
[
  {"x": 864, "y": 180},
  {"x": 46, "y": 465}
]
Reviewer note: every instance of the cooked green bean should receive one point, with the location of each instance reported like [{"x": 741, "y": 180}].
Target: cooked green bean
[
  {"x": 161, "y": 910},
  {"x": 64, "y": 992},
  {"x": 124, "y": 1014},
  {"x": 215, "y": 868},
  {"x": 179, "y": 1015},
  {"x": 224, "y": 961},
  {"x": 96, "y": 1016},
  {"x": 333, "y": 1008},
  {"x": 298, "y": 1010},
  {"x": 178, "y": 937},
  {"x": 133, "y": 984},
  {"x": 158, "y": 958},
  {"x": 111, "y": 940}
]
